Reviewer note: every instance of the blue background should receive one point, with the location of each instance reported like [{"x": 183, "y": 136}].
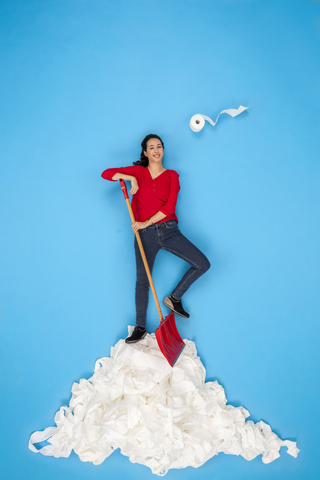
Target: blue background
[{"x": 82, "y": 82}]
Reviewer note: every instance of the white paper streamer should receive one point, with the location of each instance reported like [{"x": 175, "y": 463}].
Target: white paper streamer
[
  {"x": 197, "y": 121},
  {"x": 158, "y": 416}
]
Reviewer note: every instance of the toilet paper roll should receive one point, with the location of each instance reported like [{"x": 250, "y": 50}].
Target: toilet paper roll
[{"x": 197, "y": 121}]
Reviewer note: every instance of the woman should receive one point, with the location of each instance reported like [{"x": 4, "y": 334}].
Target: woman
[{"x": 155, "y": 192}]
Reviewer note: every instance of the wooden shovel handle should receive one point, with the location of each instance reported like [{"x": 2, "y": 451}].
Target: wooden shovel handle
[{"x": 143, "y": 255}]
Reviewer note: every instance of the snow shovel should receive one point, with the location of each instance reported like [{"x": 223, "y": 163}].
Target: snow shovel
[{"x": 167, "y": 335}]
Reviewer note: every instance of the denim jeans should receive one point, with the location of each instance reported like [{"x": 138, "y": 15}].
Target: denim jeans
[{"x": 165, "y": 236}]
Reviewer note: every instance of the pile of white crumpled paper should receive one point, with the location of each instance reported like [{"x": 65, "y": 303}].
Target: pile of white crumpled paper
[{"x": 158, "y": 416}]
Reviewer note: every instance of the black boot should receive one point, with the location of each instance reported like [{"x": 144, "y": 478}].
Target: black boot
[
  {"x": 138, "y": 334},
  {"x": 176, "y": 306}
]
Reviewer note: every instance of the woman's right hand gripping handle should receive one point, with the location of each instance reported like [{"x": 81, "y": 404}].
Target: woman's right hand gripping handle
[{"x": 133, "y": 180}]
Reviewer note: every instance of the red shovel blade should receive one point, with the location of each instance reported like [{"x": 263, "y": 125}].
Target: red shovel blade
[{"x": 169, "y": 340}]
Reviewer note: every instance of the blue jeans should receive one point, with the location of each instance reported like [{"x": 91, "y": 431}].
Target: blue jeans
[{"x": 165, "y": 236}]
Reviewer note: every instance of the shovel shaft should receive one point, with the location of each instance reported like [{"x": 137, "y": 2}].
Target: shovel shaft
[{"x": 143, "y": 255}]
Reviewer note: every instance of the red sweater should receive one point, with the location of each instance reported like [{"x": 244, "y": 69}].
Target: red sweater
[{"x": 156, "y": 194}]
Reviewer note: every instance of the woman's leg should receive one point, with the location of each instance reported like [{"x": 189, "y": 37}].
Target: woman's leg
[
  {"x": 179, "y": 245},
  {"x": 151, "y": 247}
]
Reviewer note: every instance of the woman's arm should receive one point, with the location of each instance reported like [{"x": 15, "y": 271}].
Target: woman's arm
[
  {"x": 127, "y": 173},
  {"x": 170, "y": 205},
  {"x": 131, "y": 178},
  {"x": 157, "y": 217},
  {"x": 154, "y": 219}
]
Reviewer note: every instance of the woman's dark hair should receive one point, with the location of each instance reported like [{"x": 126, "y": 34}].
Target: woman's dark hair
[{"x": 143, "y": 159}]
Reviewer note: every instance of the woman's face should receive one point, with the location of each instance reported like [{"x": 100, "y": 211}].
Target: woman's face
[{"x": 154, "y": 151}]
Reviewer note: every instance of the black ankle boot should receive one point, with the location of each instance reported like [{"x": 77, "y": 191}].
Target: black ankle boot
[
  {"x": 138, "y": 334},
  {"x": 176, "y": 306}
]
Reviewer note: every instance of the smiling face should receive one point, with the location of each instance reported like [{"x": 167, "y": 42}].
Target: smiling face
[{"x": 154, "y": 150}]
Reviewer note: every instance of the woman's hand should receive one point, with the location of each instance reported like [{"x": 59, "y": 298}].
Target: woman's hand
[
  {"x": 130, "y": 178},
  {"x": 138, "y": 225},
  {"x": 134, "y": 185}
]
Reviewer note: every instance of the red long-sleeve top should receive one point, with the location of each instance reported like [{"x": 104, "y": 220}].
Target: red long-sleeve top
[{"x": 154, "y": 194}]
